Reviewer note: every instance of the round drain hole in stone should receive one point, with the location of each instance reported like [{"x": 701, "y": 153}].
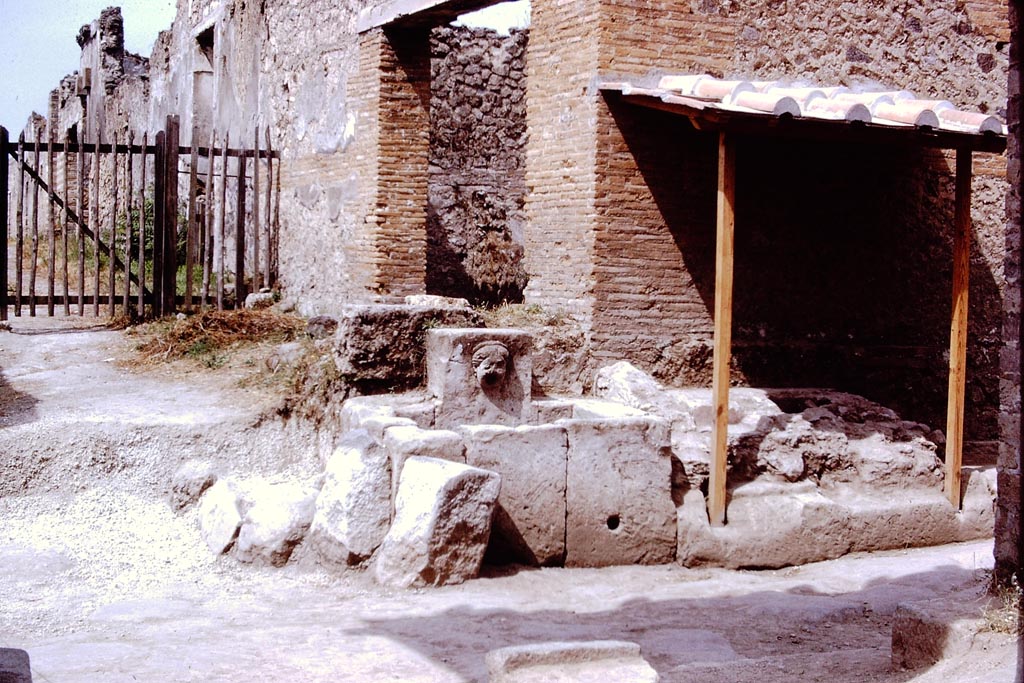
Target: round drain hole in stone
[{"x": 613, "y": 522}]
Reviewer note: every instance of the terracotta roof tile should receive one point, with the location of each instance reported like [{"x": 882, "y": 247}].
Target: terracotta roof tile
[{"x": 897, "y": 108}]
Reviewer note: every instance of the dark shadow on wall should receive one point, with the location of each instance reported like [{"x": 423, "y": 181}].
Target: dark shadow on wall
[
  {"x": 687, "y": 638},
  {"x": 842, "y": 268}
]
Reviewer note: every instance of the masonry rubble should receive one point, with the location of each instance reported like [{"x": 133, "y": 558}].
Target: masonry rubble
[{"x": 617, "y": 478}]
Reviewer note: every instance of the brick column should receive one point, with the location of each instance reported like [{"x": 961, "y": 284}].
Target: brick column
[
  {"x": 561, "y": 60},
  {"x": 396, "y": 163}
]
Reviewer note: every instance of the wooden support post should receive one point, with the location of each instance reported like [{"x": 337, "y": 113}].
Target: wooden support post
[
  {"x": 222, "y": 223},
  {"x": 256, "y": 271},
  {"x": 141, "y": 305},
  {"x": 4, "y": 169},
  {"x": 96, "y": 230},
  {"x": 33, "y": 266},
  {"x": 67, "y": 224},
  {"x": 111, "y": 250},
  {"x": 207, "y": 233},
  {"x": 240, "y": 290},
  {"x": 267, "y": 281},
  {"x": 51, "y": 233},
  {"x": 80, "y": 158},
  {"x": 129, "y": 199},
  {"x": 19, "y": 243},
  {"x": 723, "y": 327},
  {"x": 190, "y": 230},
  {"x": 170, "y": 209},
  {"x": 276, "y": 237},
  {"x": 159, "y": 178},
  {"x": 958, "y": 326}
]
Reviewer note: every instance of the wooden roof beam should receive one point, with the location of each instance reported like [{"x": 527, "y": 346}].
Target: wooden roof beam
[{"x": 417, "y": 12}]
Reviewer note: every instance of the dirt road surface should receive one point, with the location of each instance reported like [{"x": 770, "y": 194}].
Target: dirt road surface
[{"x": 101, "y": 581}]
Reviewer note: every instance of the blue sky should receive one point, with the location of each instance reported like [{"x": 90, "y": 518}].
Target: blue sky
[{"x": 39, "y": 48}]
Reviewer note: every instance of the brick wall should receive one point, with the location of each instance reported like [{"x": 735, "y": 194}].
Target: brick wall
[
  {"x": 649, "y": 295},
  {"x": 560, "y": 157},
  {"x": 477, "y": 185}
]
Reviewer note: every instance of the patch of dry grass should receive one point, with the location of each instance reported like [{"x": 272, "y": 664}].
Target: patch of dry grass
[
  {"x": 521, "y": 315},
  {"x": 207, "y": 336},
  {"x": 1003, "y": 616}
]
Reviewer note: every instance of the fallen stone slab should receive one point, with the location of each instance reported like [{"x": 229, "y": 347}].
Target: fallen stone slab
[
  {"x": 14, "y": 666},
  {"x": 747, "y": 407},
  {"x": 276, "y": 520},
  {"x": 598, "y": 661},
  {"x": 442, "y": 523},
  {"x": 619, "y": 507},
  {"x": 353, "y": 509},
  {"x": 529, "y": 522}
]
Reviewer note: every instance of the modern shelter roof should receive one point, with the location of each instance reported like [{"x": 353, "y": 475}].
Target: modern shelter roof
[{"x": 827, "y": 111}]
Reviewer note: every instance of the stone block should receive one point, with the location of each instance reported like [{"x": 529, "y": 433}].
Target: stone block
[
  {"x": 546, "y": 411},
  {"x": 190, "y": 482},
  {"x": 422, "y": 413},
  {"x": 220, "y": 516},
  {"x": 442, "y": 523},
  {"x": 529, "y": 522},
  {"x": 356, "y": 410},
  {"x": 596, "y": 660},
  {"x": 353, "y": 509},
  {"x": 413, "y": 406},
  {"x": 776, "y": 524},
  {"x": 381, "y": 346},
  {"x": 881, "y": 463},
  {"x": 480, "y": 376},
  {"x": 780, "y": 526},
  {"x": 624, "y": 383},
  {"x": 378, "y": 425},
  {"x": 406, "y": 441},
  {"x": 276, "y": 521},
  {"x": 619, "y": 493},
  {"x": 15, "y": 666},
  {"x": 747, "y": 407}
]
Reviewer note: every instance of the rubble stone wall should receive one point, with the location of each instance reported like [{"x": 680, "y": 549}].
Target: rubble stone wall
[
  {"x": 477, "y": 186},
  {"x": 1008, "y": 519}
]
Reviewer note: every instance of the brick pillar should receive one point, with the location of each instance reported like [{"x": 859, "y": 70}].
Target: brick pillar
[
  {"x": 1008, "y": 519},
  {"x": 397, "y": 115},
  {"x": 561, "y": 61}
]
